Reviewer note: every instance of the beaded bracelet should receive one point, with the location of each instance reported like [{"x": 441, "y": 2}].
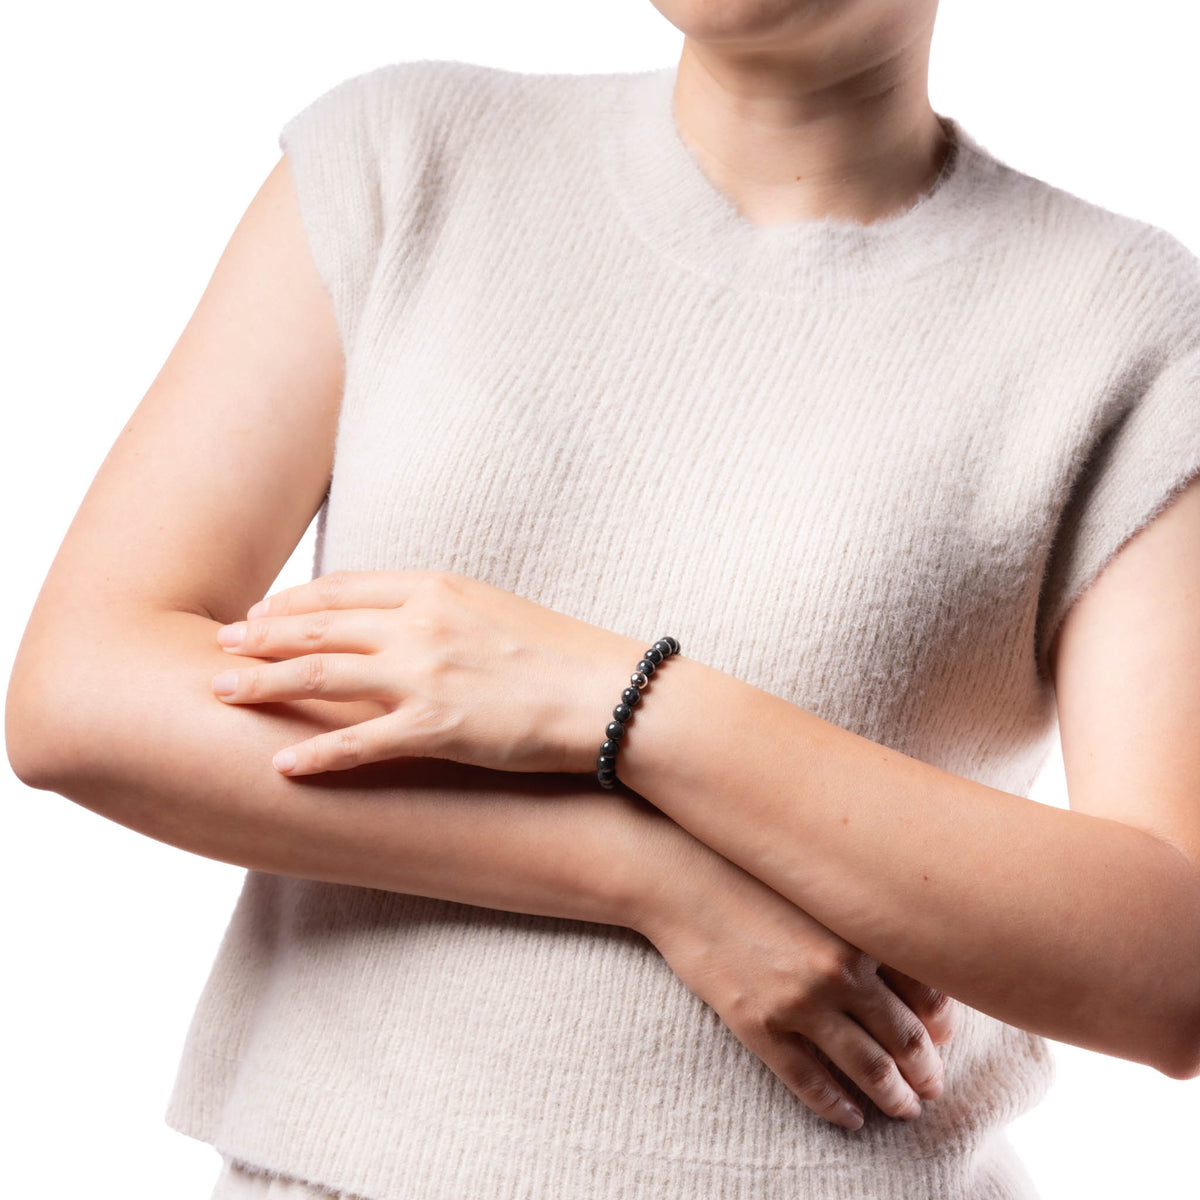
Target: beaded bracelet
[{"x": 606, "y": 764}]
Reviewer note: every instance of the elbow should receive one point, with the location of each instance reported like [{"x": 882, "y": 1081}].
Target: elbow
[
  {"x": 1181, "y": 1059},
  {"x": 1179, "y": 1041},
  {"x": 1190, "y": 1072},
  {"x": 1185, "y": 1065},
  {"x": 1184, "y": 1039},
  {"x": 43, "y": 743}
]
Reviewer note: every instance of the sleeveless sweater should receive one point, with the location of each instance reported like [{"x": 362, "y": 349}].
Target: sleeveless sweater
[{"x": 866, "y": 468}]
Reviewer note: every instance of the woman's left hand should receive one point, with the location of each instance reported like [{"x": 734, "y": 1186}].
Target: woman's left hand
[{"x": 467, "y": 671}]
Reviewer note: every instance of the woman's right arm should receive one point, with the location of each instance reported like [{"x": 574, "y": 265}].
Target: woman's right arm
[{"x": 198, "y": 504}]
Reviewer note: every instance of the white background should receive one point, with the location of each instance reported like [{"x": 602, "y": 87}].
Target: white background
[{"x": 135, "y": 135}]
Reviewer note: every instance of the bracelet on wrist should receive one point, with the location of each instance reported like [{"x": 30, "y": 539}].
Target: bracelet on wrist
[{"x": 606, "y": 762}]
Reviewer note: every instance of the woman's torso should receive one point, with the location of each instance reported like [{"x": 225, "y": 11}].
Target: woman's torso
[{"x": 833, "y": 461}]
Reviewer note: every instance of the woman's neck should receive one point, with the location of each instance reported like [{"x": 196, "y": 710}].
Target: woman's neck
[{"x": 855, "y": 141}]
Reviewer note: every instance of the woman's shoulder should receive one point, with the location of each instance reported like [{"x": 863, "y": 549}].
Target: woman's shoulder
[
  {"x": 1108, "y": 258},
  {"x": 431, "y": 124},
  {"x": 449, "y": 95}
]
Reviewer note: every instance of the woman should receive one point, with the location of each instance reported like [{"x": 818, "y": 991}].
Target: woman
[{"x": 601, "y": 383}]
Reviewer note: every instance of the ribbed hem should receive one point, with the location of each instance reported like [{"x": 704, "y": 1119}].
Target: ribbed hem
[{"x": 310, "y": 1138}]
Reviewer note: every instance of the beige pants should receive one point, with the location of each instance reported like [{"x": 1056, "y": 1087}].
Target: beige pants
[{"x": 244, "y": 1181}]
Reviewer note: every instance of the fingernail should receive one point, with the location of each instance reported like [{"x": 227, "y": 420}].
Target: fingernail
[
  {"x": 285, "y": 760},
  {"x": 913, "y": 1111},
  {"x": 851, "y": 1117},
  {"x": 231, "y": 635},
  {"x": 933, "y": 1089},
  {"x": 257, "y": 610},
  {"x": 225, "y": 683}
]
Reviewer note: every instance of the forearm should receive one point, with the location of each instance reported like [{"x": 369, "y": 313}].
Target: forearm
[
  {"x": 1073, "y": 926},
  {"x": 146, "y": 743}
]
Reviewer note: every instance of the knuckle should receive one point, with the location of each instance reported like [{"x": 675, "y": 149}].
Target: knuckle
[
  {"x": 434, "y": 629},
  {"x": 348, "y": 746},
  {"x": 816, "y": 1090},
  {"x": 748, "y": 1014},
  {"x": 822, "y": 1097},
  {"x": 920, "y": 996},
  {"x": 430, "y": 721},
  {"x": 314, "y": 674},
  {"x": 330, "y": 587},
  {"x": 448, "y": 581},
  {"x": 928, "y": 1079},
  {"x": 938, "y": 1004},
  {"x": 743, "y": 1009},
  {"x": 423, "y": 621},
  {"x": 250, "y": 683},
  {"x": 774, "y": 1019},
  {"x": 256, "y": 633},
  {"x": 842, "y": 966},
  {"x": 942, "y": 1019},
  {"x": 878, "y": 1069},
  {"x": 914, "y": 1040},
  {"x": 315, "y": 626}
]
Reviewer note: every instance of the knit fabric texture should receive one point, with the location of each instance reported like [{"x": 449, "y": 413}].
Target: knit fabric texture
[{"x": 866, "y": 468}]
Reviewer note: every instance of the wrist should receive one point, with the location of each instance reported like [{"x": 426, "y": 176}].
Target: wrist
[
  {"x": 666, "y": 864},
  {"x": 654, "y": 755},
  {"x": 600, "y": 668}
]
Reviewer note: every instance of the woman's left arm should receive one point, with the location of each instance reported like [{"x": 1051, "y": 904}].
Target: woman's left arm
[{"x": 1083, "y": 926}]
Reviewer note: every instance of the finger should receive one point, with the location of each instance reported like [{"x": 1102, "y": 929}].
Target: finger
[
  {"x": 367, "y": 742},
  {"x": 790, "y": 1058},
  {"x": 939, "y": 1012},
  {"x": 347, "y": 631},
  {"x": 327, "y": 676},
  {"x": 870, "y": 1065},
  {"x": 902, "y": 1037},
  {"x": 343, "y": 589}
]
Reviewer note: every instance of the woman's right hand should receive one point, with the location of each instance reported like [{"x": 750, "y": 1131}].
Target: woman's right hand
[{"x": 781, "y": 980}]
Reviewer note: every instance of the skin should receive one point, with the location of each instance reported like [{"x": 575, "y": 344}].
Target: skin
[
  {"x": 809, "y": 108},
  {"x": 110, "y": 704},
  {"x": 111, "y": 700},
  {"x": 1010, "y": 905}
]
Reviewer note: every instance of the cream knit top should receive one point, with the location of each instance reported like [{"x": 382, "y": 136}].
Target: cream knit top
[{"x": 865, "y": 468}]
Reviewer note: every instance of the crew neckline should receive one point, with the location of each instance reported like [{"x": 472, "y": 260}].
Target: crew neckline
[{"x": 678, "y": 211}]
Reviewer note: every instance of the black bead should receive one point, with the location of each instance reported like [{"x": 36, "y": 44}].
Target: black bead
[
  {"x": 606, "y": 773},
  {"x": 614, "y": 729},
  {"x": 605, "y": 760},
  {"x": 674, "y": 643},
  {"x": 631, "y": 696},
  {"x": 609, "y": 747},
  {"x": 639, "y": 679},
  {"x": 608, "y": 783},
  {"x": 664, "y": 647},
  {"x": 654, "y": 654},
  {"x": 646, "y": 667},
  {"x": 622, "y": 713}
]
